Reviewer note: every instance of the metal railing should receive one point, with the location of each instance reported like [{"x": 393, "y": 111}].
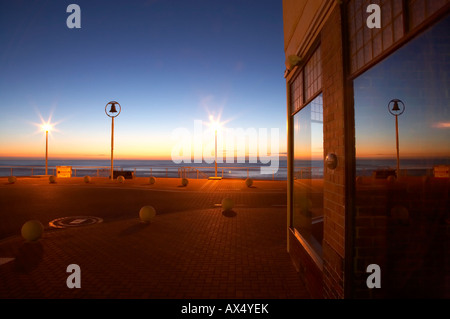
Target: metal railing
[
  {"x": 40, "y": 170},
  {"x": 308, "y": 173},
  {"x": 200, "y": 172}
]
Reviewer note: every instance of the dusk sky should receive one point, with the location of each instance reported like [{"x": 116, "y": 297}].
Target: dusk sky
[{"x": 167, "y": 62}]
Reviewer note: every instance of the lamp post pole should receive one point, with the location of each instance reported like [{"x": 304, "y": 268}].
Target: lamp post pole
[
  {"x": 398, "y": 149},
  {"x": 46, "y": 152},
  {"x": 112, "y": 147},
  {"x": 112, "y": 114},
  {"x": 398, "y": 107},
  {"x": 215, "y": 152}
]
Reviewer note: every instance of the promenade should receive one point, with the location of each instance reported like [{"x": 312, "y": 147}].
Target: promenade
[{"x": 191, "y": 250}]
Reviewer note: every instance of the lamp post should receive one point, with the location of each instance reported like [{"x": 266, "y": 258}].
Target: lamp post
[
  {"x": 46, "y": 128},
  {"x": 46, "y": 152},
  {"x": 215, "y": 125},
  {"x": 396, "y": 107},
  {"x": 112, "y": 114},
  {"x": 215, "y": 151}
]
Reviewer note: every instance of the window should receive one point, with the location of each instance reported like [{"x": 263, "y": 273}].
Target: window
[
  {"x": 367, "y": 44},
  {"x": 308, "y": 173},
  {"x": 402, "y": 218},
  {"x": 307, "y": 112}
]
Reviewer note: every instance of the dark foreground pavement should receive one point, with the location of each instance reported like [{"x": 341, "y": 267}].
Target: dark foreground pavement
[{"x": 201, "y": 253}]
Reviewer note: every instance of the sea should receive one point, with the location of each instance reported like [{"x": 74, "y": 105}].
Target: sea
[{"x": 167, "y": 168}]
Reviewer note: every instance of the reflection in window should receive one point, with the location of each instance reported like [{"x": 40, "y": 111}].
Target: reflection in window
[
  {"x": 308, "y": 173},
  {"x": 402, "y": 223}
]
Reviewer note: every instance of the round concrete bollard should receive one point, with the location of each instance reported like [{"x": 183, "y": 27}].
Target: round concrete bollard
[
  {"x": 249, "y": 182},
  {"x": 184, "y": 182},
  {"x": 400, "y": 213},
  {"x": 12, "y": 179},
  {"x": 32, "y": 230},
  {"x": 152, "y": 180},
  {"x": 227, "y": 204},
  {"x": 391, "y": 179},
  {"x": 52, "y": 179},
  {"x": 87, "y": 179},
  {"x": 121, "y": 179},
  {"x": 147, "y": 213}
]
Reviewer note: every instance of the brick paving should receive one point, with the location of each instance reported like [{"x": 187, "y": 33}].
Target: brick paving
[{"x": 199, "y": 253}]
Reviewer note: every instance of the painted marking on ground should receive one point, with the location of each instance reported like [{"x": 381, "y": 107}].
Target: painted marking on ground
[
  {"x": 78, "y": 221},
  {"x": 74, "y": 221}
]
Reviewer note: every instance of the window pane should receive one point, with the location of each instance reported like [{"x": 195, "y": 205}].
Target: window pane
[
  {"x": 297, "y": 93},
  {"x": 313, "y": 74},
  {"x": 308, "y": 173}
]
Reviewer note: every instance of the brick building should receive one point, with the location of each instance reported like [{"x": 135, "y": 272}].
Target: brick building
[{"x": 368, "y": 146}]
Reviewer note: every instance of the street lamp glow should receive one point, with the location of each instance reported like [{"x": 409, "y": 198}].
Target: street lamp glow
[
  {"x": 46, "y": 127},
  {"x": 215, "y": 125}
]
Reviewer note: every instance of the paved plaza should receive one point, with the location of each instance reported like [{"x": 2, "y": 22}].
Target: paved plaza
[{"x": 192, "y": 249}]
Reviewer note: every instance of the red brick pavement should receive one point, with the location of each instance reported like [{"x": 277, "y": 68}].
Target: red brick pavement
[{"x": 195, "y": 254}]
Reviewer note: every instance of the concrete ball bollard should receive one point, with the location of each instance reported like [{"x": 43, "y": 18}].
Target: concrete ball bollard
[
  {"x": 32, "y": 230},
  {"x": 12, "y": 179},
  {"x": 249, "y": 182},
  {"x": 121, "y": 179},
  {"x": 227, "y": 204},
  {"x": 147, "y": 213},
  {"x": 152, "y": 180},
  {"x": 52, "y": 179},
  {"x": 184, "y": 182},
  {"x": 87, "y": 179},
  {"x": 400, "y": 213},
  {"x": 391, "y": 179}
]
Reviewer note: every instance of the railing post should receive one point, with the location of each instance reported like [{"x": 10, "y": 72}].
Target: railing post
[
  {"x": 167, "y": 172},
  {"x": 98, "y": 172},
  {"x": 11, "y": 171},
  {"x": 32, "y": 171}
]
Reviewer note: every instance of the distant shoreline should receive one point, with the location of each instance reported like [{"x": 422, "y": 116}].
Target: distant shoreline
[{"x": 167, "y": 168}]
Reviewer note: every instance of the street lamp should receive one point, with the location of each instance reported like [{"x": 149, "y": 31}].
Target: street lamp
[
  {"x": 396, "y": 107},
  {"x": 112, "y": 114}
]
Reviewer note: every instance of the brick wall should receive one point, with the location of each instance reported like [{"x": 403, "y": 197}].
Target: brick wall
[{"x": 334, "y": 141}]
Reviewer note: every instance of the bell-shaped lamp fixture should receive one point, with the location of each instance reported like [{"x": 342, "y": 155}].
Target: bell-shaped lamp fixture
[{"x": 113, "y": 108}]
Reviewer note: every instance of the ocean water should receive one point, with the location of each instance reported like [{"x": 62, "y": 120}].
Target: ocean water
[
  {"x": 167, "y": 168},
  {"x": 142, "y": 168}
]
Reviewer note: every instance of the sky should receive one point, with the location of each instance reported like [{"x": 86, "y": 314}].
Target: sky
[{"x": 167, "y": 62}]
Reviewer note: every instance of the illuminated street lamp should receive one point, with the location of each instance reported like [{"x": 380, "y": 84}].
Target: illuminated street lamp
[
  {"x": 112, "y": 113},
  {"x": 396, "y": 107},
  {"x": 46, "y": 127}
]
